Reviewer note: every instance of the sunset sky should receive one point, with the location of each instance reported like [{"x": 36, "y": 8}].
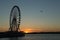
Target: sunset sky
[{"x": 36, "y": 15}]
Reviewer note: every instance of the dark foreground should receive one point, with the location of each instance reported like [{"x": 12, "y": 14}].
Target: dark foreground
[
  {"x": 35, "y": 37},
  {"x": 11, "y": 34}
]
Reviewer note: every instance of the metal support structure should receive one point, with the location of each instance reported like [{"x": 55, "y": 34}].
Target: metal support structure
[{"x": 15, "y": 18}]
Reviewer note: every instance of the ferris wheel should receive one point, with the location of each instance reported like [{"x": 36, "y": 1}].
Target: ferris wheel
[{"x": 15, "y": 18}]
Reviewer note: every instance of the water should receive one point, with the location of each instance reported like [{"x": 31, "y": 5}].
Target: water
[{"x": 36, "y": 37}]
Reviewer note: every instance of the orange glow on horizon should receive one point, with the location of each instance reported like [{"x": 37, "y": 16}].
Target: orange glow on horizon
[{"x": 27, "y": 30}]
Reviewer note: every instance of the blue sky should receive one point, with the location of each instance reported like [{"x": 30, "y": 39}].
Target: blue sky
[{"x": 31, "y": 15}]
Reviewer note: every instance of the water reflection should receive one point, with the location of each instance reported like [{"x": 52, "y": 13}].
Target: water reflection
[
  {"x": 20, "y": 38},
  {"x": 13, "y": 38},
  {"x": 16, "y": 38},
  {"x": 35, "y": 37}
]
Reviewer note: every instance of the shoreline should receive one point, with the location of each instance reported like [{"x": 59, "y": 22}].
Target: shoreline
[{"x": 43, "y": 33}]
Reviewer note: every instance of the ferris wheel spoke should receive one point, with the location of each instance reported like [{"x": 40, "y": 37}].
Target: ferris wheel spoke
[{"x": 14, "y": 18}]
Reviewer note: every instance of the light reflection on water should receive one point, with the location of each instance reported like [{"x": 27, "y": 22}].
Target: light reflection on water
[{"x": 35, "y": 37}]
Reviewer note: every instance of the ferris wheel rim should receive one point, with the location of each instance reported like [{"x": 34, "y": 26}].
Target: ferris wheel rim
[{"x": 18, "y": 13}]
